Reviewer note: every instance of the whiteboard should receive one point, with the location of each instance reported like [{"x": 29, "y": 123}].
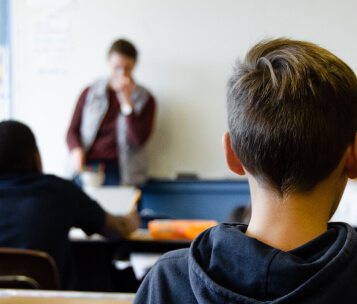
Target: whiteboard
[{"x": 187, "y": 50}]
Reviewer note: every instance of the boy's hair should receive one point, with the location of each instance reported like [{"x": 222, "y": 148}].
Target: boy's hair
[
  {"x": 17, "y": 147},
  {"x": 124, "y": 47},
  {"x": 292, "y": 111}
]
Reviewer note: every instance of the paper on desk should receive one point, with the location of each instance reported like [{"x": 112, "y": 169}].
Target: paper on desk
[
  {"x": 116, "y": 200},
  {"x": 77, "y": 234},
  {"x": 142, "y": 263}
]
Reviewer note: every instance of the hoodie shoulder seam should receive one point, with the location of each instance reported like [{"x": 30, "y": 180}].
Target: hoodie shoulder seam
[
  {"x": 171, "y": 258},
  {"x": 167, "y": 258}
]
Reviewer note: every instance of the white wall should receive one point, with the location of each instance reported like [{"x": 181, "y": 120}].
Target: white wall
[{"x": 187, "y": 52}]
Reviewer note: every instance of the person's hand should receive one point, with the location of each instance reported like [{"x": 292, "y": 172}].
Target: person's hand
[
  {"x": 128, "y": 223},
  {"x": 120, "y": 225},
  {"x": 78, "y": 158},
  {"x": 124, "y": 86},
  {"x": 127, "y": 87}
]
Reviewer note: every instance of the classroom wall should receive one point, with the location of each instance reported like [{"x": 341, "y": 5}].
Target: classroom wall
[
  {"x": 187, "y": 52},
  {"x": 5, "y": 76}
]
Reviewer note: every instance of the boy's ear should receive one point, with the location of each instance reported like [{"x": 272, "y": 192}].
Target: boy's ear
[
  {"x": 351, "y": 159},
  {"x": 232, "y": 159},
  {"x": 38, "y": 162}
]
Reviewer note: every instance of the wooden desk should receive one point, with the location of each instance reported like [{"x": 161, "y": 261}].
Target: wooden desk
[{"x": 11, "y": 296}]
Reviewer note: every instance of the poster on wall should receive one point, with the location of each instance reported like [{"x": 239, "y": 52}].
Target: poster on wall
[
  {"x": 4, "y": 81},
  {"x": 49, "y": 36}
]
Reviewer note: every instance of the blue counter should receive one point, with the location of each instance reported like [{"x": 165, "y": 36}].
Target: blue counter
[{"x": 194, "y": 199}]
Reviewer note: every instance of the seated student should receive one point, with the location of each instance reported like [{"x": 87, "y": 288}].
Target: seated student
[
  {"x": 292, "y": 109},
  {"x": 37, "y": 210}
]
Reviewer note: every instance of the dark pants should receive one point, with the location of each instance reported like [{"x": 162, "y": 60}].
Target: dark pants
[{"x": 111, "y": 171}]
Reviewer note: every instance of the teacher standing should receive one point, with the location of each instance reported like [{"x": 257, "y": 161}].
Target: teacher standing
[{"x": 112, "y": 121}]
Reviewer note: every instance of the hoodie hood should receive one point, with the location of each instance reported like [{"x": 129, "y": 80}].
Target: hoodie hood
[{"x": 226, "y": 266}]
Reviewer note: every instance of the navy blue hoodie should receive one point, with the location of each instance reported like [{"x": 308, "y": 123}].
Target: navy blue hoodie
[{"x": 224, "y": 265}]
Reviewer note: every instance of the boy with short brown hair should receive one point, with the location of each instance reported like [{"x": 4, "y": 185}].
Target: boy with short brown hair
[{"x": 292, "y": 116}]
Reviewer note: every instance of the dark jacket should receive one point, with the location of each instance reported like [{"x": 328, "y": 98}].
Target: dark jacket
[
  {"x": 224, "y": 265},
  {"x": 37, "y": 212}
]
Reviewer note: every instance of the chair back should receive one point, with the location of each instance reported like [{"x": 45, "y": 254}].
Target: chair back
[{"x": 27, "y": 269}]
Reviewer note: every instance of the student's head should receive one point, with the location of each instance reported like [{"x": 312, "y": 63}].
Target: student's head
[
  {"x": 292, "y": 116},
  {"x": 122, "y": 57},
  {"x": 18, "y": 149}
]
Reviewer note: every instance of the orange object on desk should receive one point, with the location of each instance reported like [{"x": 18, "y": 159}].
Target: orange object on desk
[{"x": 178, "y": 229}]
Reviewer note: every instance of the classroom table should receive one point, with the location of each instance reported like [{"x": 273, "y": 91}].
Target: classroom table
[
  {"x": 96, "y": 258},
  {"x": 140, "y": 241},
  {"x": 17, "y": 296}
]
